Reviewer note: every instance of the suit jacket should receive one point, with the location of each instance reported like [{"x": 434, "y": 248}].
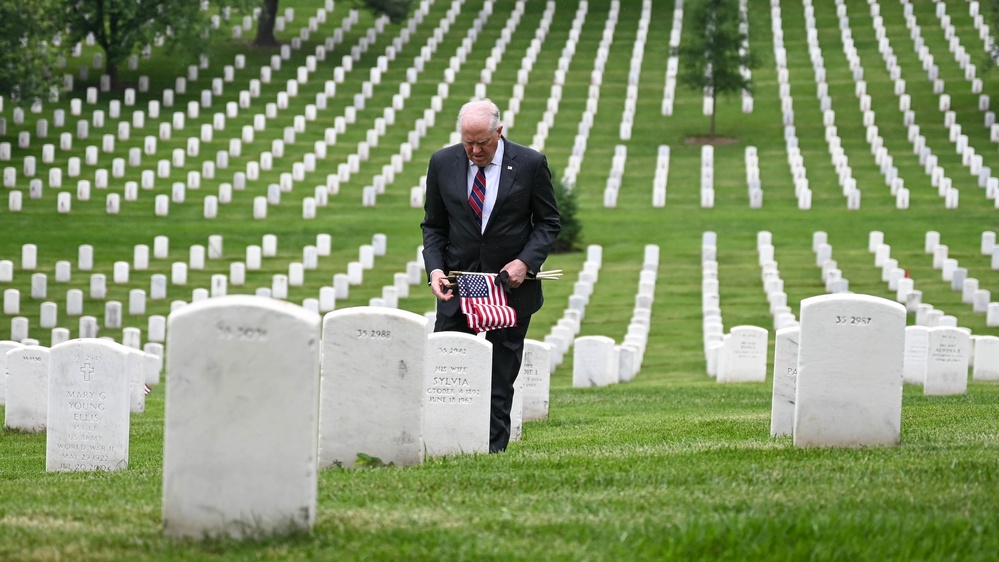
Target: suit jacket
[{"x": 524, "y": 222}]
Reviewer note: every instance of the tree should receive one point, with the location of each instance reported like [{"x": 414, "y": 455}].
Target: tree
[
  {"x": 569, "y": 237},
  {"x": 396, "y": 10},
  {"x": 29, "y": 50},
  {"x": 713, "y": 54},
  {"x": 121, "y": 27}
]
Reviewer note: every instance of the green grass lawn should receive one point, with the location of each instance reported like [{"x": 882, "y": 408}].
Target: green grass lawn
[{"x": 669, "y": 466}]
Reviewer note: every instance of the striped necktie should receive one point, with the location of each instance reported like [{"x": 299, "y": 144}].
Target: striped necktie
[{"x": 478, "y": 197}]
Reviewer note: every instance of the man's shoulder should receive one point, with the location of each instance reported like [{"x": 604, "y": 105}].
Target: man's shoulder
[
  {"x": 512, "y": 149},
  {"x": 450, "y": 151}
]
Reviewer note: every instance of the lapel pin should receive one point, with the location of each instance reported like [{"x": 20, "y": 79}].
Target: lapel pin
[{"x": 509, "y": 167}]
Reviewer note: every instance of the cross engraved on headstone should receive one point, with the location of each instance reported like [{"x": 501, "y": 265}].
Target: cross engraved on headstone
[{"x": 87, "y": 369}]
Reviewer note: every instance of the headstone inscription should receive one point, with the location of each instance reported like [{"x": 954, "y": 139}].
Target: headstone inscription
[
  {"x": 371, "y": 397},
  {"x": 457, "y": 394},
  {"x": 239, "y": 449},
  {"x": 947, "y": 361},
  {"x": 88, "y": 418},
  {"x": 535, "y": 370},
  {"x": 744, "y": 355},
  {"x": 849, "y": 391}
]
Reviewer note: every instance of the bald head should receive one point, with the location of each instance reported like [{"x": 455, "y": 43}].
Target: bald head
[{"x": 480, "y": 128}]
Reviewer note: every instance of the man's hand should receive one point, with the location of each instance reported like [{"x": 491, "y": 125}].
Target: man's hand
[
  {"x": 439, "y": 285},
  {"x": 517, "y": 270}
]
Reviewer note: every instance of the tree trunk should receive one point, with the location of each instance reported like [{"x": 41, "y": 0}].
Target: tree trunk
[
  {"x": 714, "y": 111},
  {"x": 265, "y": 25},
  {"x": 112, "y": 72}
]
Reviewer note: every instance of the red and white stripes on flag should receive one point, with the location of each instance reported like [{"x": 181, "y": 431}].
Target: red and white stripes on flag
[{"x": 484, "y": 303}]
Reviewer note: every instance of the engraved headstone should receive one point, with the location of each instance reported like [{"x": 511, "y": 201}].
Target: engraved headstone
[
  {"x": 535, "y": 372},
  {"x": 371, "y": 397},
  {"x": 27, "y": 388},
  {"x": 785, "y": 375},
  {"x": 5, "y": 346},
  {"x": 947, "y": 361},
  {"x": 744, "y": 355},
  {"x": 88, "y": 418},
  {"x": 239, "y": 450},
  {"x": 917, "y": 339},
  {"x": 457, "y": 391},
  {"x": 986, "y": 361},
  {"x": 849, "y": 391},
  {"x": 594, "y": 362}
]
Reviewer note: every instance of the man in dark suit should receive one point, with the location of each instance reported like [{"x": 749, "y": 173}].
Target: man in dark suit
[{"x": 509, "y": 225}]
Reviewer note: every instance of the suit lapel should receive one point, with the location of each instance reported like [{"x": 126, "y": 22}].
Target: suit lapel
[
  {"x": 458, "y": 180},
  {"x": 508, "y": 172}
]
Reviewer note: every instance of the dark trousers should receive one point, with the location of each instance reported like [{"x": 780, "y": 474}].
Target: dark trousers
[{"x": 508, "y": 352}]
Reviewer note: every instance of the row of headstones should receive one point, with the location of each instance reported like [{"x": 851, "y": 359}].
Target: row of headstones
[
  {"x": 599, "y": 360},
  {"x": 219, "y": 285},
  {"x": 208, "y": 171},
  {"x": 844, "y": 172},
  {"x": 837, "y": 379},
  {"x": 773, "y": 285},
  {"x": 163, "y": 169},
  {"x": 734, "y": 356},
  {"x": 969, "y": 158},
  {"x": 832, "y": 275},
  {"x": 961, "y": 55},
  {"x": 979, "y": 299},
  {"x": 614, "y": 178},
  {"x": 563, "y": 334},
  {"x": 36, "y": 396},
  {"x": 580, "y": 141},
  {"x": 799, "y": 176},
  {"x": 387, "y": 393},
  {"x": 635, "y": 72},
  {"x": 129, "y": 98},
  {"x": 179, "y": 270},
  {"x": 558, "y": 80},
  {"x": 673, "y": 61}
]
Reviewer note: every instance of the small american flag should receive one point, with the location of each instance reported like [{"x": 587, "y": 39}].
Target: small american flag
[
  {"x": 146, "y": 389},
  {"x": 484, "y": 303}
]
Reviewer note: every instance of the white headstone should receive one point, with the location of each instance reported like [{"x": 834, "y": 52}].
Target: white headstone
[
  {"x": 947, "y": 361},
  {"x": 371, "y": 397},
  {"x": 88, "y": 419},
  {"x": 457, "y": 394},
  {"x": 239, "y": 451},
  {"x": 849, "y": 390},
  {"x": 745, "y": 355},
  {"x": 5, "y": 346},
  {"x": 785, "y": 376},
  {"x": 594, "y": 362},
  {"x": 535, "y": 374},
  {"x": 986, "y": 362},
  {"x": 27, "y": 399},
  {"x": 917, "y": 339}
]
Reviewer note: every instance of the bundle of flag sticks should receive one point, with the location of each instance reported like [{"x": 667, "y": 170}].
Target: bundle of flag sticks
[{"x": 552, "y": 275}]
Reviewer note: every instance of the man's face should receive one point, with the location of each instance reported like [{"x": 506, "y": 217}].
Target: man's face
[{"x": 480, "y": 143}]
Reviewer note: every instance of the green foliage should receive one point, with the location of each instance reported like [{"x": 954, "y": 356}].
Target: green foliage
[
  {"x": 365, "y": 460},
  {"x": 569, "y": 238},
  {"x": 712, "y": 53},
  {"x": 396, "y": 10},
  {"x": 121, "y": 27},
  {"x": 28, "y": 50}
]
